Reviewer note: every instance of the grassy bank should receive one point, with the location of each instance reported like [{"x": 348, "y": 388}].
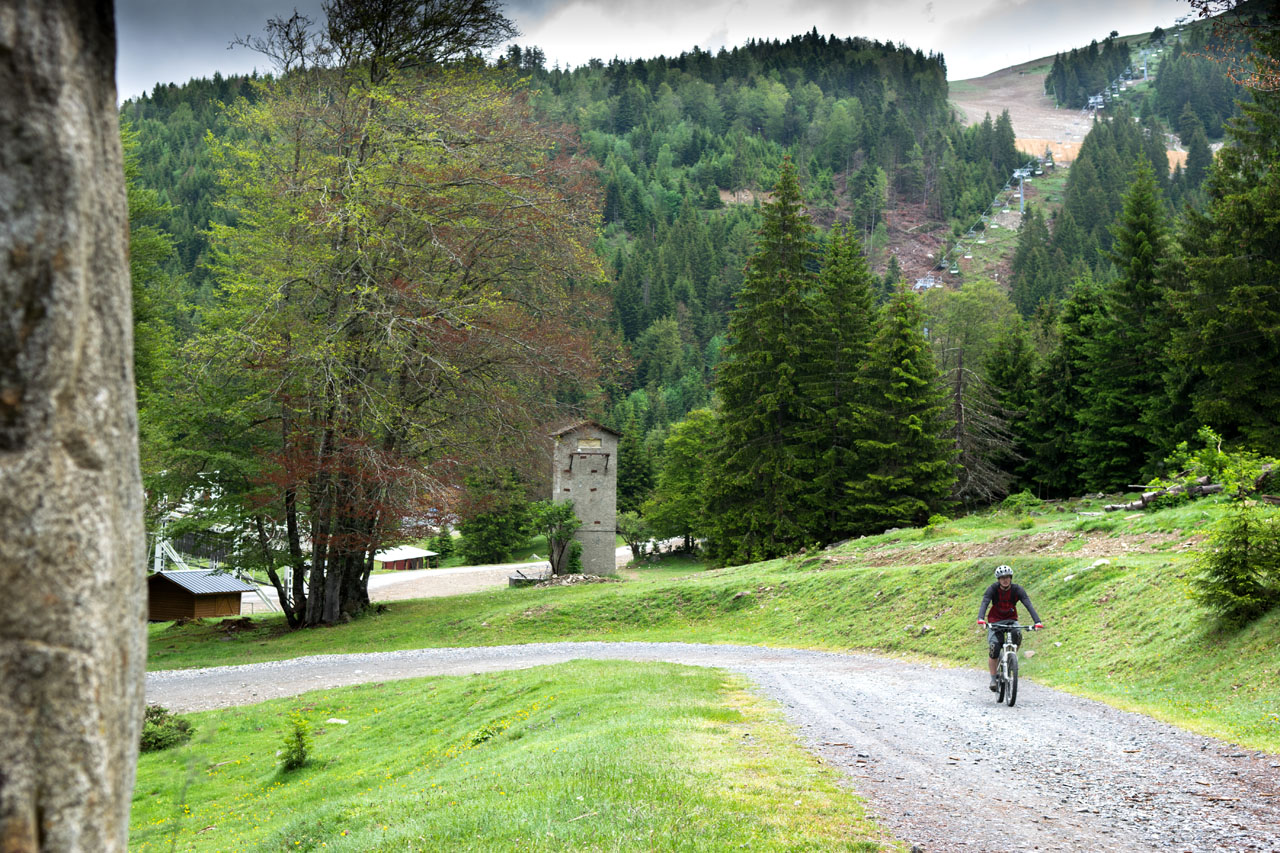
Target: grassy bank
[
  {"x": 1112, "y": 591},
  {"x": 582, "y": 756}
]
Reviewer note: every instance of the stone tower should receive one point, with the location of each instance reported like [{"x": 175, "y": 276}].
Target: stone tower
[{"x": 585, "y": 471}]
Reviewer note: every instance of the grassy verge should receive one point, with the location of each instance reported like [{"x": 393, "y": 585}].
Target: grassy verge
[
  {"x": 1123, "y": 630},
  {"x": 582, "y": 756},
  {"x": 535, "y": 549},
  {"x": 664, "y": 567}
]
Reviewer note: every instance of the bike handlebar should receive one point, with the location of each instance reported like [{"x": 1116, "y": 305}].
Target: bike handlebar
[{"x": 1009, "y": 624}]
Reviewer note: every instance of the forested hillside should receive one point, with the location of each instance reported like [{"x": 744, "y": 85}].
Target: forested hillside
[
  {"x": 387, "y": 274},
  {"x": 687, "y": 148}
]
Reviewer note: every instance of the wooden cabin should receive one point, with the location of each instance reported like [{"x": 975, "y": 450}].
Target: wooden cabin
[
  {"x": 406, "y": 557},
  {"x": 194, "y": 594}
]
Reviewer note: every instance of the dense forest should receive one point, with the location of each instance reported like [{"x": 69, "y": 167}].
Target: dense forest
[
  {"x": 332, "y": 350},
  {"x": 686, "y": 147},
  {"x": 1191, "y": 85},
  {"x": 1085, "y": 72}
]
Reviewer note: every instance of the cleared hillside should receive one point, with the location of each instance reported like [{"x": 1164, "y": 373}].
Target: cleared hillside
[{"x": 1037, "y": 122}]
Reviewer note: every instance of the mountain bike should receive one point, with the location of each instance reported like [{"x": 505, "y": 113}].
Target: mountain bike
[{"x": 1007, "y": 665}]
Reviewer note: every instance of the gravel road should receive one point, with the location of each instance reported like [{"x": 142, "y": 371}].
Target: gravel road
[
  {"x": 436, "y": 583},
  {"x": 943, "y": 766}
]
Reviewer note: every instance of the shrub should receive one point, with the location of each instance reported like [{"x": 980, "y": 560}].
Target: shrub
[
  {"x": 937, "y": 527},
  {"x": 1021, "y": 503},
  {"x": 1096, "y": 525},
  {"x": 1239, "y": 573},
  {"x": 1239, "y": 471},
  {"x": 162, "y": 729},
  {"x": 297, "y": 743},
  {"x": 1168, "y": 501},
  {"x": 557, "y": 522}
]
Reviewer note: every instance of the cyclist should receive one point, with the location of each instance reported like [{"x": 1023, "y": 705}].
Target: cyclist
[{"x": 1002, "y": 597}]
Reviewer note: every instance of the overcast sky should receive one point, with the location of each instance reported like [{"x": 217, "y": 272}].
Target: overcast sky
[{"x": 171, "y": 41}]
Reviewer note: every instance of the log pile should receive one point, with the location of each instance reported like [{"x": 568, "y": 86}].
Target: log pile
[{"x": 1200, "y": 487}]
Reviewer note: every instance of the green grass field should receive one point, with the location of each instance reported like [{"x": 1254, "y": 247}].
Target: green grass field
[
  {"x": 577, "y": 757},
  {"x": 1113, "y": 592}
]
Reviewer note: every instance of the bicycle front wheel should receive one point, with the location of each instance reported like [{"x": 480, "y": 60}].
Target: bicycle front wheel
[{"x": 1011, "y": 666}]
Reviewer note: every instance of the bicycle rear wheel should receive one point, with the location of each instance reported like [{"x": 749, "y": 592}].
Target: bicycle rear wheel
[
  {"x": 1012, "y": 668},
  {"x": 1002, "y": 683}
]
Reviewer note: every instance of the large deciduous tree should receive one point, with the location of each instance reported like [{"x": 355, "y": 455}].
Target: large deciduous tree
[
  {"x": 677, "y": 506},
  {"x": 72, "y": 550},
  {"x": 408, "y": 289}
]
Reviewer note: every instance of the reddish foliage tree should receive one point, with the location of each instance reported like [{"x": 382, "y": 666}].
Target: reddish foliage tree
[{"x": 409, "y": 293}]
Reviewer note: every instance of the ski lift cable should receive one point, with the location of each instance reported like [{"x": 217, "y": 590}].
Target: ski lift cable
[{"x": 942, "y": 261}]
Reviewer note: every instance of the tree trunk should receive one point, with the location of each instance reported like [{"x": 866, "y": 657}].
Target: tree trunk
[
  {"x": 72, "y": 548},
  {"x": 264, "y": 542},
  {"x": 558, "y": 554},
  {"x": 1201, "y": 487}
]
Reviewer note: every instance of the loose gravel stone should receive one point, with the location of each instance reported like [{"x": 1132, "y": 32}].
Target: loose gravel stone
[{"x": 940, "y": 763}]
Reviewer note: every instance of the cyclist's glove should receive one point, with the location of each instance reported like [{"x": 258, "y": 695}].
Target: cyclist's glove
[
  {"x": 1037, "y": 626},
  {"x": 982, "y": 621}
]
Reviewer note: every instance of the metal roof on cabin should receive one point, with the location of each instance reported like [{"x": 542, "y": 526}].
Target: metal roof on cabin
[
  {"x": 404, "y": 552},
  {"x": 206, "y": 583}
]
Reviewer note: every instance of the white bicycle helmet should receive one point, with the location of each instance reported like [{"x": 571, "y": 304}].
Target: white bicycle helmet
[{"x": 1003, "y": 572}]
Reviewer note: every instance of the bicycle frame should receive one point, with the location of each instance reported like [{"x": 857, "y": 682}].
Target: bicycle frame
[
  {"x": 1007, "y": 663},
  {"x": 1007, "y": 651}
]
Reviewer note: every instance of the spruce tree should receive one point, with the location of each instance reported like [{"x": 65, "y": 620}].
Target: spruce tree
[
  {"x": 1031, "y": 272},
  {"x": 1010, "y": 371},
  {"x": 761, "y": 500},
  {"x": 904, "y": 446},
  {"x": 845, "y": 305},
  {"x": 1231, "y": 334},
  {"x": 1122, "y": 383},
  {"x": 1054, "y": 454},
  {"x": 1199, "y": 158},
  {"x": 635, "y": 468}
]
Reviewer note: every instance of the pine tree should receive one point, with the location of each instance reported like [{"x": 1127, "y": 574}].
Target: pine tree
[
  {"x": 846, "y": 306},
  {"x": 1231, "y": 332},
  {"x": 1010, "y": 371},
  {"x": 760, "y": 495},
  {"x": 904, "y": 444},
  {"x": 962, "y": 326},
  {"x": 1054, "y": 454},
  {"x": 893, "y": 276},
  {"x": 1199, "y": 158},
  {"x": 635, "y": 469},
  {"x": 628, "y": 299},
  {"x": 1123, "y": 374},
  {"x": 1031, "y": 272}
]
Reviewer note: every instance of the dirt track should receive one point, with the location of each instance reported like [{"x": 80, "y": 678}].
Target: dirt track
[
  {"x": 1037, "y": 124},
  {"x": 942, "y": 765}
]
